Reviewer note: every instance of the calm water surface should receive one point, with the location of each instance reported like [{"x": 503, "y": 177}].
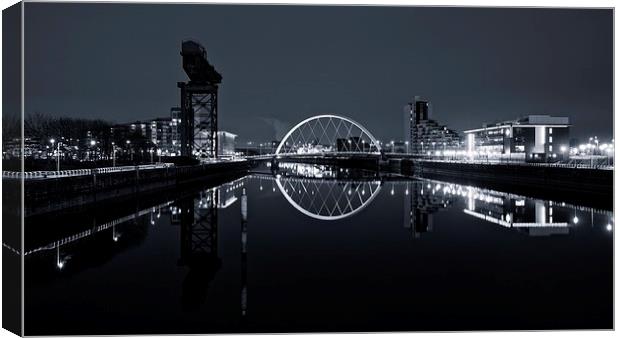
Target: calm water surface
[{"x": 321, "y": 249}]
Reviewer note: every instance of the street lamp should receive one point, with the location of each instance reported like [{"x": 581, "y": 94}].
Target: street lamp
[
  {"x": 128, "y": 142},
  {"x": 52, "y": 141},
  {"x": 113, "y": 155},
  {"x": 596, "y": 142},
  {"x": 91, "y": 151}
]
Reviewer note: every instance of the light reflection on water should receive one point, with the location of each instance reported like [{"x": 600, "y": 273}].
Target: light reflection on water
[{"x": 193, "y": 256}]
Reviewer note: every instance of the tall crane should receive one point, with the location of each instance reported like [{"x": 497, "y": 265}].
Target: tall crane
[{"x": 198, "y": 103}]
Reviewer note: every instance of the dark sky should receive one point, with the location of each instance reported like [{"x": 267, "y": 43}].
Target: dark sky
[{"x": 283, "y": 63}]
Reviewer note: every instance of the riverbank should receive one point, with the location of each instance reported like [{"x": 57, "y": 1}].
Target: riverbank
[
  {"x": 591, "y": 187},
  {"x": 52, "y": 194}
]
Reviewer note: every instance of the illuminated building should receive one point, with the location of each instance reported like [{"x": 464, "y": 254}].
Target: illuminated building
[
  {"x": 534, "y": 138},
  {"x": 226, "y": 143},
  {"x": 424, "y": 135}
]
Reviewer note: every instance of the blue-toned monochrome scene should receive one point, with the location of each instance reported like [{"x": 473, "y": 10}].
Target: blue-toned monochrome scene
[{"x": 204, "y": 169}]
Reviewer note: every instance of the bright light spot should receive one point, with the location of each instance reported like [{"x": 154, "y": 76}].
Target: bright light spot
[
  {"x": 575, "y": 220},
  {"x": 609, "y": 227}
]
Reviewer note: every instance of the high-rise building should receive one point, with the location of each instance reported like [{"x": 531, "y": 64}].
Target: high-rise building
[{"x": 425, "y": 136}]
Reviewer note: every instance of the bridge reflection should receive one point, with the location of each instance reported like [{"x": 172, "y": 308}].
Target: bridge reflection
[
  {"x": 332, "y": 196},
  {"x": 324, "y": 193}
]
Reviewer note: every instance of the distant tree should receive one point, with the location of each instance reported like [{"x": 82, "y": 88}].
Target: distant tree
[
  {"x": 11, "y": 126},
  {"x": 46, "y": 126}
]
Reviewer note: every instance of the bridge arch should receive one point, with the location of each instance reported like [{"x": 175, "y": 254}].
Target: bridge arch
[
  {"x": 321, "y": 133},
  {"x": 328, "y": 200}
]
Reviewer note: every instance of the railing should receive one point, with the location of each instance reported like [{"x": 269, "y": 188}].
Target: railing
[
  {"x": 525, "y": 164},
  {"x": 317, "y": 154},
  {"x": 80, "y": 172}
]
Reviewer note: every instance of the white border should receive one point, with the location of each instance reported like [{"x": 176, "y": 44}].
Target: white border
[{"x": 470, "y": 3}]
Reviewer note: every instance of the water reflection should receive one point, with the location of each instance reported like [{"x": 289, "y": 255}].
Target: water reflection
[
  {"x": 532, "y": 216},
  {"x": 331, "y": 194},
  {"x": 323, "y": 193},
  {"x": 60, "y": 244}
]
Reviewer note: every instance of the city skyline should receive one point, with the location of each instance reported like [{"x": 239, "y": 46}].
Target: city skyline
[{"x": 361, "y": 62}]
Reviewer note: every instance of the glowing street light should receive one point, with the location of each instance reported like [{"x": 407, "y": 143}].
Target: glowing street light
[
  {"x": 52, "y": 141},
  {"x": 113, "y": 154}
]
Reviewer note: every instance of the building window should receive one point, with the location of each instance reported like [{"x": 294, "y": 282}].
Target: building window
[
  {"x": 550, "y": 139},
  {"x": 550, "y": 148},
  {"x": 550, "y": 131}
]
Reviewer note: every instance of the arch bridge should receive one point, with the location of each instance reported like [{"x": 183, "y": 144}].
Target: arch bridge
[{"x": 328, "y": 135}]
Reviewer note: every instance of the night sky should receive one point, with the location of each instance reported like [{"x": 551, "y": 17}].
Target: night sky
[{"x": 281, "y": 64}]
